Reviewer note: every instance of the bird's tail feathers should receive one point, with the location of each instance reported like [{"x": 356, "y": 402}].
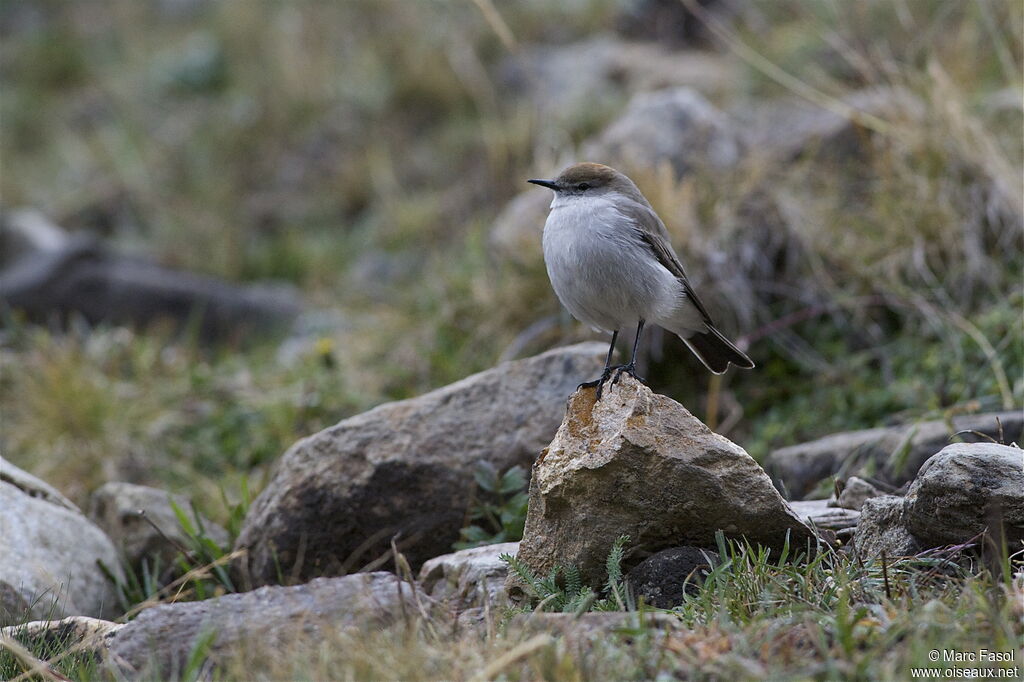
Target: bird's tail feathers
[{"x": 716, "y": 351}]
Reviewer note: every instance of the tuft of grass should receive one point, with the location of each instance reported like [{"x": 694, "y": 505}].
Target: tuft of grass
[{"x": 199, "y": 571}]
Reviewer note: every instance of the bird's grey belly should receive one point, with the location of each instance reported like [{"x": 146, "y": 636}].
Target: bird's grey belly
[{"x": 608, "y": 282}]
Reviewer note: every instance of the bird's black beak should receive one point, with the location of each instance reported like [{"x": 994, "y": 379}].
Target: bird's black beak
[{"x": 550, "y": 184}]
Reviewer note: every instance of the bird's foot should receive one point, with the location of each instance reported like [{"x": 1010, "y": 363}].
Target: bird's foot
[
  {"x": 600, "y": 382},
  {"x": 629, "y": 369}
]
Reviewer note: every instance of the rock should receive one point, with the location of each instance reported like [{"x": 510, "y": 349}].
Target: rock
[
  {"x": 820, "y": 514},
  {"x": 51, "y": 552},
  {"x": 516, "y": 232},
  {"x": 576, "y": 85},
  {"x": 587, "y": 629},
  {"x": 115, "y": 508},
  {"x": 856, "y": 491},
  {"x": 882, "y": 530},
  {"x": 88, "y": 636},
  {"x": 13, "y": 607},
  {"x": 662, "y": 580},
  {"x": 158, "y": 642},
  {"x": 787, "y": 128},
  {"x": 87, "y": 279},
  {"x": 469, "y": 578},
  {"x": 894, "y": 454},
  {"x": 964, "y": 489},
  {"x": 32, "y": 486},
  {"x": 639, "y": 464},
  {"x": 406, "y": 468},
  {"x": 27, "y": 231},
  {"x": 677, "y": 126},
  {"x": 671, "y": 22}
]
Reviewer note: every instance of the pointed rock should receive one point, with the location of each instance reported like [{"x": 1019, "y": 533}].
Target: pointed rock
[{"x": 640, "y": 464}]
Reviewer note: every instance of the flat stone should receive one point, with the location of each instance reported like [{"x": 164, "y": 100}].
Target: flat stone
[
  {"x": 158, "y": 642},
  {"x": 893, "y": 455}
]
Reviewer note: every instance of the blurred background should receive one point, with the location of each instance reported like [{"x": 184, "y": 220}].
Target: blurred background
[{"x": 228, "y": 225}]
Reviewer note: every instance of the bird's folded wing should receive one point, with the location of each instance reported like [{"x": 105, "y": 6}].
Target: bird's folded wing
[{"x": 653, "y": 233}]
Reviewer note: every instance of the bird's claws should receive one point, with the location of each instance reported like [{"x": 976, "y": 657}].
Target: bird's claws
[
  {"x": 629, "y": 369},
  {"x": 607, "y": 374}
]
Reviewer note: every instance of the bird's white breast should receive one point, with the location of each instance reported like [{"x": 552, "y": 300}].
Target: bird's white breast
[{"x": 601, "y": 269}]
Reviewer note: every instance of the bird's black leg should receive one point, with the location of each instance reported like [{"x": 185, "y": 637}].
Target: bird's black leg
[
  {"x": 630, "y": 369},
  {"x": 607, "y": 368}
]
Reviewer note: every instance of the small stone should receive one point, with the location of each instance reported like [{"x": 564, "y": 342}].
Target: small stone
[
  {"x": 469, "y": 578},
  {"x": 820, "y": 514},
  {"x": 964, "y": 490},
  {"x": 882, "y": 530},
  {"x": 663, "y": 579},
  {"x": 89, "y": 636},
  {"x": 855, "y": 493},
  {"x": 115, "y": 508}
]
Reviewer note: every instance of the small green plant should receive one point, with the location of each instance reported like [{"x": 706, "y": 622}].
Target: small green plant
[
  {"x": 572, "y": 596},
  {"x": 500, "y": 512},
  {"x": 199, "y": 571}
]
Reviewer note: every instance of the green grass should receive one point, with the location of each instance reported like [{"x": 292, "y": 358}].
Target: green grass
[
  {"x": 361, "y": 151},
  {"x": 754, "y": 615}
]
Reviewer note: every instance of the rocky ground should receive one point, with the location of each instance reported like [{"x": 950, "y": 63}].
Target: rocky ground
[
  {"x": 636, "y": 509},
  {"x": 286, "y": 393}
]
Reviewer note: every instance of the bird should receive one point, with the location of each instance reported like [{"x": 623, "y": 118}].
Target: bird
[{"x": 611, "y": 264}]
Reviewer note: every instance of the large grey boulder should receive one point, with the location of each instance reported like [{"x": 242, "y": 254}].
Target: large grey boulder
[
  {"x": 84, "y": 277},
  {"x": 50, "y": 553},
  {"x": 128, "y": 513},
  {"x": 678, "y": 126},
  {"x": 894, "y": 454},
  {"x": 157, "y": 644},
  {"x": 883, "y": 531},
  {"x": 639, "y": 464},
  {"x": 405, "y": 469},
  {"x": 965, "y": 489},
  {"x": 469, "y": 578}
]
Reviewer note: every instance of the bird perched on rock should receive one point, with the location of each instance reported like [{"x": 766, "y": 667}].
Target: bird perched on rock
[{"x": 611, "y": 263}]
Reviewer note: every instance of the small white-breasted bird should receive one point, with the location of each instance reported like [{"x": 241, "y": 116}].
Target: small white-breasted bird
[{"x": 611, "y": 263}]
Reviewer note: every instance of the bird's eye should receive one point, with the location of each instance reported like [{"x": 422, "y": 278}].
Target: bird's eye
[{"x": 583, "y": 186}]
